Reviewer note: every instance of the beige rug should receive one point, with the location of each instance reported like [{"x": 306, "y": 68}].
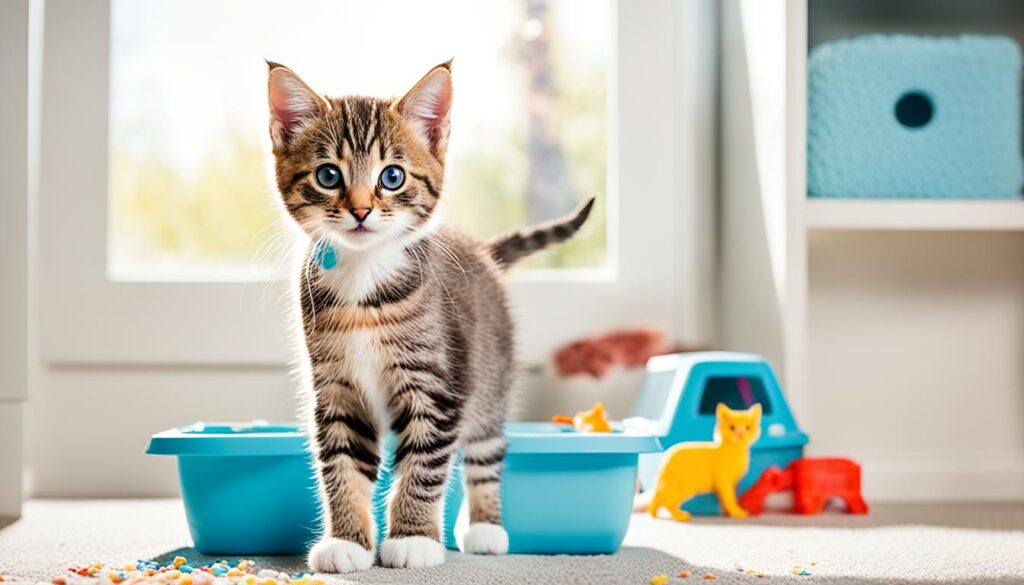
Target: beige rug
[{"x": 961, "y": 544}]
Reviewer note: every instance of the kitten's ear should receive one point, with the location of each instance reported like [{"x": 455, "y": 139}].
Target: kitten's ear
[
  {"x": 721, "y": 411},
  {"x": 292, "y": 102},
  {"x": 755, "y": 411},
  {"x": 426, "y": 108}
]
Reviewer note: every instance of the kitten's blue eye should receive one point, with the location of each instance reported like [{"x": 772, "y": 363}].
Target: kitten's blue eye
[
  {"x": 329, "y": 176},
  {"x": 392, "y": 177}
]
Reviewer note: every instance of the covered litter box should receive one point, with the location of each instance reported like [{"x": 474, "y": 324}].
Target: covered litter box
[
  {"x": 249, "y": 489},
  {"x": 677, "y": 403},
  {"x": 900, "y": 116}
]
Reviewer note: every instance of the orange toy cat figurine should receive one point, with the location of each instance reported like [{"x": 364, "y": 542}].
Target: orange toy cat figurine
[
  {"x": 587, "y": 421},
  {"x": 690, "y": 469}
]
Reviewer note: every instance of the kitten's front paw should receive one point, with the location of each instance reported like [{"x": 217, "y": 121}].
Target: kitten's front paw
[
  {"x": 334, "y": 555},
  {"x": 484, "y": 538},
  {"x": 411, "y": 552}
]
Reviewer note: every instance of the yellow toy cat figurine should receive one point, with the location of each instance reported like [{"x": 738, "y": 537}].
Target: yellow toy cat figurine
[{"x": 690, "y": 469}]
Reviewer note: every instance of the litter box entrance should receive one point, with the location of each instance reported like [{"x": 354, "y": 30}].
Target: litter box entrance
[{"x": 736, "y": 392}]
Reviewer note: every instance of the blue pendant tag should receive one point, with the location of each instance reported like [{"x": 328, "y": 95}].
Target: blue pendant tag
[{"x": 325, "y": 255}]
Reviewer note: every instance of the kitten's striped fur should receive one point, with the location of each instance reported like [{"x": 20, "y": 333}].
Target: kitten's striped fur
[{"x": 410, "y": 333}]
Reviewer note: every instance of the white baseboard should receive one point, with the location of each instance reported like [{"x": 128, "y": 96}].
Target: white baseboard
[{"x": 943, "y": 478}]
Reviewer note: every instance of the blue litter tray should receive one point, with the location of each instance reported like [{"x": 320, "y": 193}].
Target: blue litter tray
[
  {"x": 677, "y": 403},
  {"x": 249, "y": 489}
]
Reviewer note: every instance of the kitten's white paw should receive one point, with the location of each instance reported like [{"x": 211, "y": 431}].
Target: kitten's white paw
[
  {"x": 334, "y": 555},
  {"x": 411, "y": 552},
  {"x": 484, "y": 538}
]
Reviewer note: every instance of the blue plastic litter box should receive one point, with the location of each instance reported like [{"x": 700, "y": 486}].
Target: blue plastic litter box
[
  {"x": 249, "y": 489},
  {"x": 677, "y": 403}
]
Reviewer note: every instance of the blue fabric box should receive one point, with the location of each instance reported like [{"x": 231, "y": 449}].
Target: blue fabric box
[{"x": 896, "y": 116}]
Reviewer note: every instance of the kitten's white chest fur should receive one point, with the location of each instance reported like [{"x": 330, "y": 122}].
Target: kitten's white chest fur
[
  {"x": 357, "y": 275},
  {"x": 359, "y": 272}
]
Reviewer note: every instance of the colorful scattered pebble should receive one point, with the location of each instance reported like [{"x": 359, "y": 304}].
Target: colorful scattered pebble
[
  {"x": 684, "y": 574},
  {"x": 658, "y": 580},
  {"x": 181, "y": 572},
  {"x": 709, "y": 577}
]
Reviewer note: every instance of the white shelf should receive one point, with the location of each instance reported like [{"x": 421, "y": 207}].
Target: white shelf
[{"x": 936, "y": 215}]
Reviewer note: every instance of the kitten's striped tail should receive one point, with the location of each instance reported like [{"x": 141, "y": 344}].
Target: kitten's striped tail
[{"x": 509, "y": 248}]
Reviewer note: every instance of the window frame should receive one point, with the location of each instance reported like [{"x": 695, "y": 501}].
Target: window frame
[{"x": 88, "y": 318}]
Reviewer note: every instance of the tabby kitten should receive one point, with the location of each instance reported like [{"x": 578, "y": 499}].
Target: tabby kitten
[{"x": 405, "y": 319}]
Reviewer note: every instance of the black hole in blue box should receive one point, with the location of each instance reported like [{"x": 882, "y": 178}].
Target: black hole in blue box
[
  {"x": 738, "y": 393},
  {"x": 914, "y": 109}
]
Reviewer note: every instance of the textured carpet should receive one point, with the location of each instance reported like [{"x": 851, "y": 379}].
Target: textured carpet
[{"x": 892, "y": 545}]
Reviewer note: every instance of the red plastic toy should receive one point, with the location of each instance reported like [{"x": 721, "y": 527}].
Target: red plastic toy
[{"x": 814, "y": 482}]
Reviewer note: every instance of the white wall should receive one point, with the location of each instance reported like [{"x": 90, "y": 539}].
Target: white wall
[
  {"x": 917, "y": 361},
  {"x": 87, "y": 428},
  {"x": 750, "y": 310},
  {"x": 14, "y": 91}
]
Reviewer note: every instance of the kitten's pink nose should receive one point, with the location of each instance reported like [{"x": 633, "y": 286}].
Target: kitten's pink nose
[{"x": 360, "y": 214}]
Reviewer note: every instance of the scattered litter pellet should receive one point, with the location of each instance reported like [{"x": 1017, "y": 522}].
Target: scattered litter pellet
[
  {"x": 181, "y": 572},
  {"x": 709, "y": 577},
  {"x": 658, "y": 580},
  {"x": 685, "y": 574}
]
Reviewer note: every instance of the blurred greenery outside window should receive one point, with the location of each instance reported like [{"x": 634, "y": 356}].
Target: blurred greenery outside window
[{"x": 190, "y": 194}]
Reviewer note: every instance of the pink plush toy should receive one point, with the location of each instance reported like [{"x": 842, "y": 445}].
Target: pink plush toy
[{"x": 598, "y": 356}]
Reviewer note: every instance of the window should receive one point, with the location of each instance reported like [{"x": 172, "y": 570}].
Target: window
[
  {"x": 189, "y": 193},
  {"x": 132, "y": 277}
]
